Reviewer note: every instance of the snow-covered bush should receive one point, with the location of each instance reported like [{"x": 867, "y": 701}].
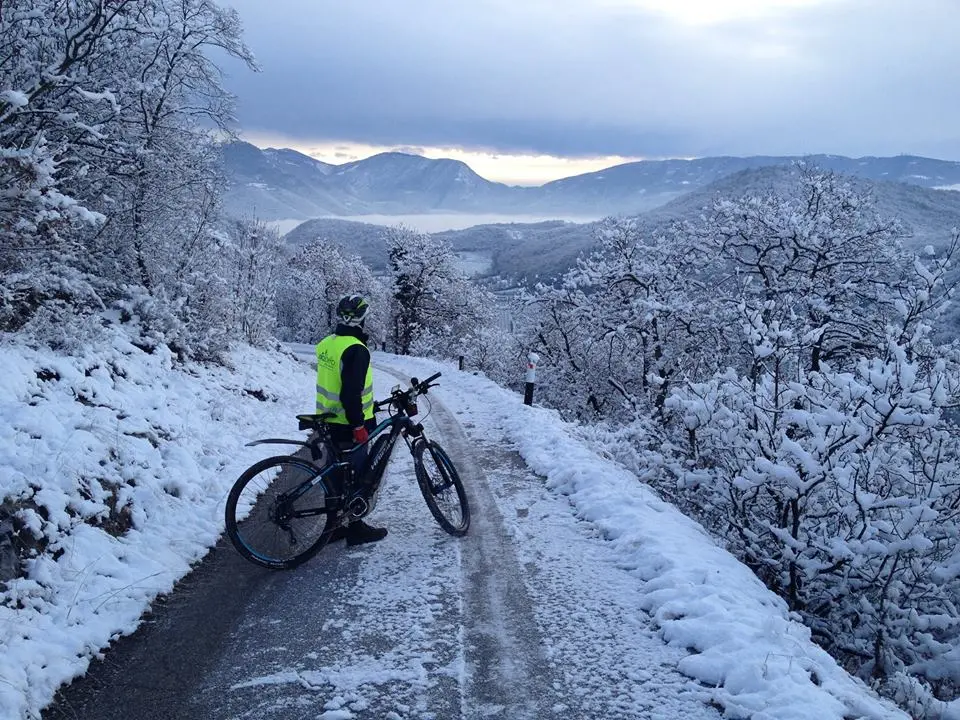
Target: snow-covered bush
[
  {"x": 841, "y": 491},
  {"x": 774, "y": 368},
  {"x": 107, "y": 164},
  {"x": 495, "y": 352},
  {"x": 823, "y": 454},
  {"x": 436, "y": 309}
]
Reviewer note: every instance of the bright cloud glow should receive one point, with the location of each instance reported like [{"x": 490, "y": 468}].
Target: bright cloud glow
[
  {"x": 711, "y": 12},
  {"x": 597, "y": 79},
  {"x": 512, "y": 169}
]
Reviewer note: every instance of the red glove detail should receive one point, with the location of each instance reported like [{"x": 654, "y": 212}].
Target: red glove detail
[{"x": 360, "y": 435}]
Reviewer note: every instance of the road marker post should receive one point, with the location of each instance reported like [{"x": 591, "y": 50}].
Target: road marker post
[{"x": 532, "y": 360}]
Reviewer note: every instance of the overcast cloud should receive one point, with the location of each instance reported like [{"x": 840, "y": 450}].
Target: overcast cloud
[{"x": 633, "y": 78}]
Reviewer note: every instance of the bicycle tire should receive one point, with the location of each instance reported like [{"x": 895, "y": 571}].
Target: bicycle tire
[
  {"x": 442, "y": 488},
  {"x": 268, "y": 533}
]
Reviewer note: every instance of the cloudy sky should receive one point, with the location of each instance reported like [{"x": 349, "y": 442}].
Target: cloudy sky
[{"x": 530, "y": 90}]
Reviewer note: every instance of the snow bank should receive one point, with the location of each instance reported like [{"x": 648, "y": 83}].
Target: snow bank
[
  {"x": 743, "y": 643},
  {"x": 172, "y": 440}
]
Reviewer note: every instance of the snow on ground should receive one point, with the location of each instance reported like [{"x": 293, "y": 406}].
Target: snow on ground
[
  {"x": 741, "y": 637},
  {"x": 176, "y": 439},
  {"x": 528, "y": 617}
]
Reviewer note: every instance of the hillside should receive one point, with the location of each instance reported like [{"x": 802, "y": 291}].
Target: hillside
[
  {"x": 525, "y": 250},
  {"x": 927, "y": 214},
  {"x": 514, "y": 250},
  {"x": 284, "y": 184},
  {"x": 357, "y": 238},
  {"x": 528, "y": 251}
]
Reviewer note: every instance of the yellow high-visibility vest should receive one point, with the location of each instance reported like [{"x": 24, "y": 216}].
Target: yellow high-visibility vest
[{"x": 329, "y": 382}]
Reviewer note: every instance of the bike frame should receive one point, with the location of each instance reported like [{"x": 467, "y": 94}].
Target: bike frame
[
  {"x": 344, "y": 499},
  {"x": 398, "y": 424}
]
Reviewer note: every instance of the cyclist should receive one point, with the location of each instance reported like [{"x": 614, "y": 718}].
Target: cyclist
[{"x": 345, "y": 388}]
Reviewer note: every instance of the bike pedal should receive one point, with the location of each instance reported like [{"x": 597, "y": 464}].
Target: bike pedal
[{"x": 358, "y": 507}]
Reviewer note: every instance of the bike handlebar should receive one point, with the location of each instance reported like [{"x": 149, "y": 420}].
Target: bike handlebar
[
  {"x": 417, "y": 387},
  {"x": 424, "y": 384}
]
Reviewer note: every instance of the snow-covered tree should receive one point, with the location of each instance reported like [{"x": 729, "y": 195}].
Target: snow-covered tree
[
  {"x": 317, "y": 275},
  {"x": 623, "y": 325},
  {"x": 106, "y": 156},
  {"x": 251, "y": 263},
  {"x": 820, "y": 262},
  {"x": 435, "y": 305}
]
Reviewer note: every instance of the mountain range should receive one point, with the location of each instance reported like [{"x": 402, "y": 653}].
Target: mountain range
[
  {"x": 528, "y": 251},
  {"x": 283, "y": 184}
]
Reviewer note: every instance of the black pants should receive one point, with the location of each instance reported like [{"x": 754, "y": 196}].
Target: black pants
[{"x": 342, "y": 436}]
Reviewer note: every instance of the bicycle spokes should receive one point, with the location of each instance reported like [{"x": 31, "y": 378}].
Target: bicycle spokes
[
  {"x": 441, "y": 488},
  {"x": 277, "y": 512}
]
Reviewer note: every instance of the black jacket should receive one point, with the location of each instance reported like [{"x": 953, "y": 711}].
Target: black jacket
[{"x": 353, "y": 374}]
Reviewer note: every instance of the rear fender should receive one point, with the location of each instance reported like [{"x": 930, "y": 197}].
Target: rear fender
[{"x": 315, "y": 452}]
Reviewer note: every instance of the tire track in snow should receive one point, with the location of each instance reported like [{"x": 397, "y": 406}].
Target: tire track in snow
[
  {"x": 602, "y": 649},
  {"x": 506, "y": 671}
]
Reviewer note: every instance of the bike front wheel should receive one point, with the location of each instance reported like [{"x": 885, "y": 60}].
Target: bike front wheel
[
  {"x": 274, "y": 518},
  {"x": 441, "y": 487}
]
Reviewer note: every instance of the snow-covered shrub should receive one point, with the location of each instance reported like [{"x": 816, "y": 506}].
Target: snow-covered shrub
[
  {"x": 774, "y": 371},
  {"x": 436, "y": 309},
  {"x": 842, "y": 492},
  {"x": 824, "y": 454},
  {"x": 107, "y": 164},
  {"x": 48, "y": 307},
  {"x": 495, "y": 352}
]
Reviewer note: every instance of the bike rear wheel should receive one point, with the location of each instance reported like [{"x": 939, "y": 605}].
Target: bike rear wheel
[
  {"x": 271, "y": 521},
  {"x": 441, "y": 487}
]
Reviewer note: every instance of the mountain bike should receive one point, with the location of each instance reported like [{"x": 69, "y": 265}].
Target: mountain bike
[{"x": 283, "y": 510}]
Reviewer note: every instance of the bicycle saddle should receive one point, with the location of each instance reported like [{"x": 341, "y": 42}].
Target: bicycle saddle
[{"x": 314, "y": 422}]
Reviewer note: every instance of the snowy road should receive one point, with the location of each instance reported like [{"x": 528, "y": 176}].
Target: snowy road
[{"x": 529, "y": 616}]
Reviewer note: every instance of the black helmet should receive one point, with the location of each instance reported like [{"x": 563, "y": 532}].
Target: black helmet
[{"x": 352, "y": 309}]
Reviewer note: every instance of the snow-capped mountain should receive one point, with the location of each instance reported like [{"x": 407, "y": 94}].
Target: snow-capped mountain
[
  {"x": 275, "y": 184},
  {"x": 402, "y": 181},
  {"x": 281, "y": 184}
]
